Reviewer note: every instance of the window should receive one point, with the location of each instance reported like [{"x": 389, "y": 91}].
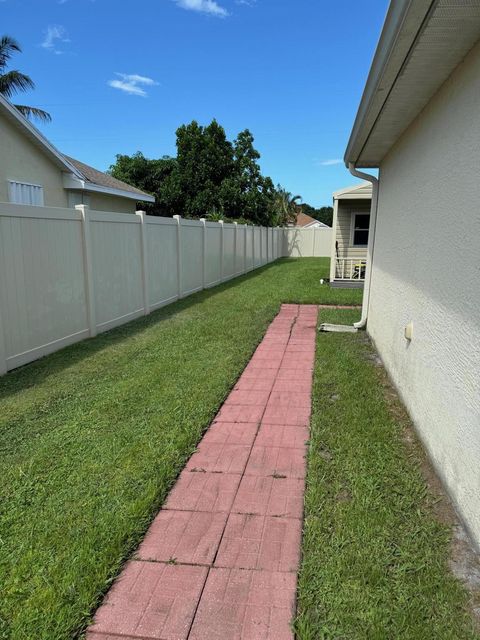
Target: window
[
  {"x": 360, "y": 226},
  {"x": 25, "y": 193}
]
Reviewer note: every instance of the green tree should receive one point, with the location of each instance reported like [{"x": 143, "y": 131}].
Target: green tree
[
  {"x": 14, "y": 81},
  {"x": 158, "y": 177},
  {"x": 286, "y": 206},
  {"x": 210, "y": 177},
  {"x": 253, "y": 193},
  {"x": 205, "y": 161}
]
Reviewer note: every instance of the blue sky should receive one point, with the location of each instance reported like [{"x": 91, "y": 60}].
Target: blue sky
[{"x": 120, "y": 76}]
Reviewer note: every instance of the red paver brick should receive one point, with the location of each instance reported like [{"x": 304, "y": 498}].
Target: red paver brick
[
  {"x": 91, "y": 635},
  {"x": 219, "y": 458},
  {"x": 261, "y": 364},
  {"x": 300, "y": 372},
  {"x": 152, "y": 600},
  {"x": 260, "y": 542},
  {"x": 188, "y": 537},
  {"x": 240, "y": 413},
  {"x": 290, "y": 399},
  {"x": 245, "y": 605},
  {"x": 255, "y": 383},
  {"x": 203, "y": 492},
  {"x": 298, "y": 360},
  {"x": 287, "y": 415},
  {"x": 270, "y": 496},
  {"x": 299, "y": 347},
  {"x": 231, "y": 433},
  {"x": 276, "y": 435},
  {"x": 248, "y": 398},
  {"x": 276, "y": 461},
  {"x": 299, "y": 386}
]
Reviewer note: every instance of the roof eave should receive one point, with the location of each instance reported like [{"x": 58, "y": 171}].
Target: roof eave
[
  {"x": 73, "y": 182},
  {"x": 402, "y": 24}
]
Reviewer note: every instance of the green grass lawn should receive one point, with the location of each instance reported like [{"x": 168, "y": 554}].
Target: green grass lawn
[
  {"x": 92, "y": 437},
  {"x": 375, "y": 554}
]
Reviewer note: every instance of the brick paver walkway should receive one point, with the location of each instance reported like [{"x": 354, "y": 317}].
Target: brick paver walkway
[{"x": 220, "y": 560}]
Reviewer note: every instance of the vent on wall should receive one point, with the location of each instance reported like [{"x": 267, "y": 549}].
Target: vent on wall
[{"x": 25, "y": 193}]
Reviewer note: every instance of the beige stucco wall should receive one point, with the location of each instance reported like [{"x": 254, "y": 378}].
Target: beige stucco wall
[
  {"x": 426, "y": 271},
  {"x": 115, "y": 204},
  {"x": 21, "y": 160}
]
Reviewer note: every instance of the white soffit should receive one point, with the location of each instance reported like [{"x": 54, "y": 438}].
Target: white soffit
[{"x": 444, "y": 36}]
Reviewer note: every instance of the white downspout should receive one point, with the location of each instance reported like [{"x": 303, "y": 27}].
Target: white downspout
[{"x": 371, "y": 241}]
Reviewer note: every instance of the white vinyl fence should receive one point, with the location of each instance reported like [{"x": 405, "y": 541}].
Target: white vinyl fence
[
  {"x": 67, "y": 274},
  {"x": 308, "y": 243}
]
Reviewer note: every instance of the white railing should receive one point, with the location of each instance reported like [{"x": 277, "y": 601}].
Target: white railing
[{"x": 350, "y": 269}]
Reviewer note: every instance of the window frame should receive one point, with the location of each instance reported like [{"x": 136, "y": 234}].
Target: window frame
[{"x": 353, "y": 229}]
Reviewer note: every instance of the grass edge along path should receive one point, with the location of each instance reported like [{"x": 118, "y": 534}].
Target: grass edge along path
[{"x": 375, "y": 553}]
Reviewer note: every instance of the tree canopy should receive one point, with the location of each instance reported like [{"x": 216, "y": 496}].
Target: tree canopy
[{"x": 210, "y": 177}]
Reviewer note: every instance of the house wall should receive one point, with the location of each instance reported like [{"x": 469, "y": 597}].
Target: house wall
[
  {"x": 23, "y": 161},
  {"x": 426, "y": 271},
  {"x": 105, "y": 202}
]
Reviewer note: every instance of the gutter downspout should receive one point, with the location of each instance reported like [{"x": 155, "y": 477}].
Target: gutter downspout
[{"x": 371, "y": 242}]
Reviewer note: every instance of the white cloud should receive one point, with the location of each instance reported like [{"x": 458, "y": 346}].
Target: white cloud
[
  {"x": 329, "y": 163},
  {"x": 54, "y": 35},
  {"x": 132, "y": 83},
  {"x": 203, "y": 6}
]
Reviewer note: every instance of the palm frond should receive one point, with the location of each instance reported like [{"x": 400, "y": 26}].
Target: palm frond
[
  {"x": 33, "y": 112},
  {"x": 8, "y": 46},
  {"x": 14, "y": 81}
]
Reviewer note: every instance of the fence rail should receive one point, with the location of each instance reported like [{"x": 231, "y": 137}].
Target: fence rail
[{"x": 67, "y": 274}]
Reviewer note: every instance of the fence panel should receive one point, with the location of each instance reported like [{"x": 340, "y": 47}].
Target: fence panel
[
  {"x": 213, "y": 254},
  {"x": 42, "y": 285},
  {"x": 228, "y": 251},
  {"x": 116, "y": 267},
  {"x": 240, "y": 253},
  {"x": 249, "y": 248},
  {"x": 191, "y": 256},
  {"x": 263, "y": 240},
  {"x": 306, "y": 243},
  {"x": 162, "y": 267},
  {"x": 257, "y": 247}
]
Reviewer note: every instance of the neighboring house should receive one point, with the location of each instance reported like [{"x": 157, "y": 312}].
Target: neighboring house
[
  {"x": 305, "y": 221},
  {"x": 34, "y": 172},
  {"x": 419, "y": 123},
  {"x": 351, "y": 223}
]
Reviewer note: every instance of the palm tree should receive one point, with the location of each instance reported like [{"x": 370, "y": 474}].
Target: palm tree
[
  {"x": 13, "y": 81},
  {"x": 286, "y": 206}
]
